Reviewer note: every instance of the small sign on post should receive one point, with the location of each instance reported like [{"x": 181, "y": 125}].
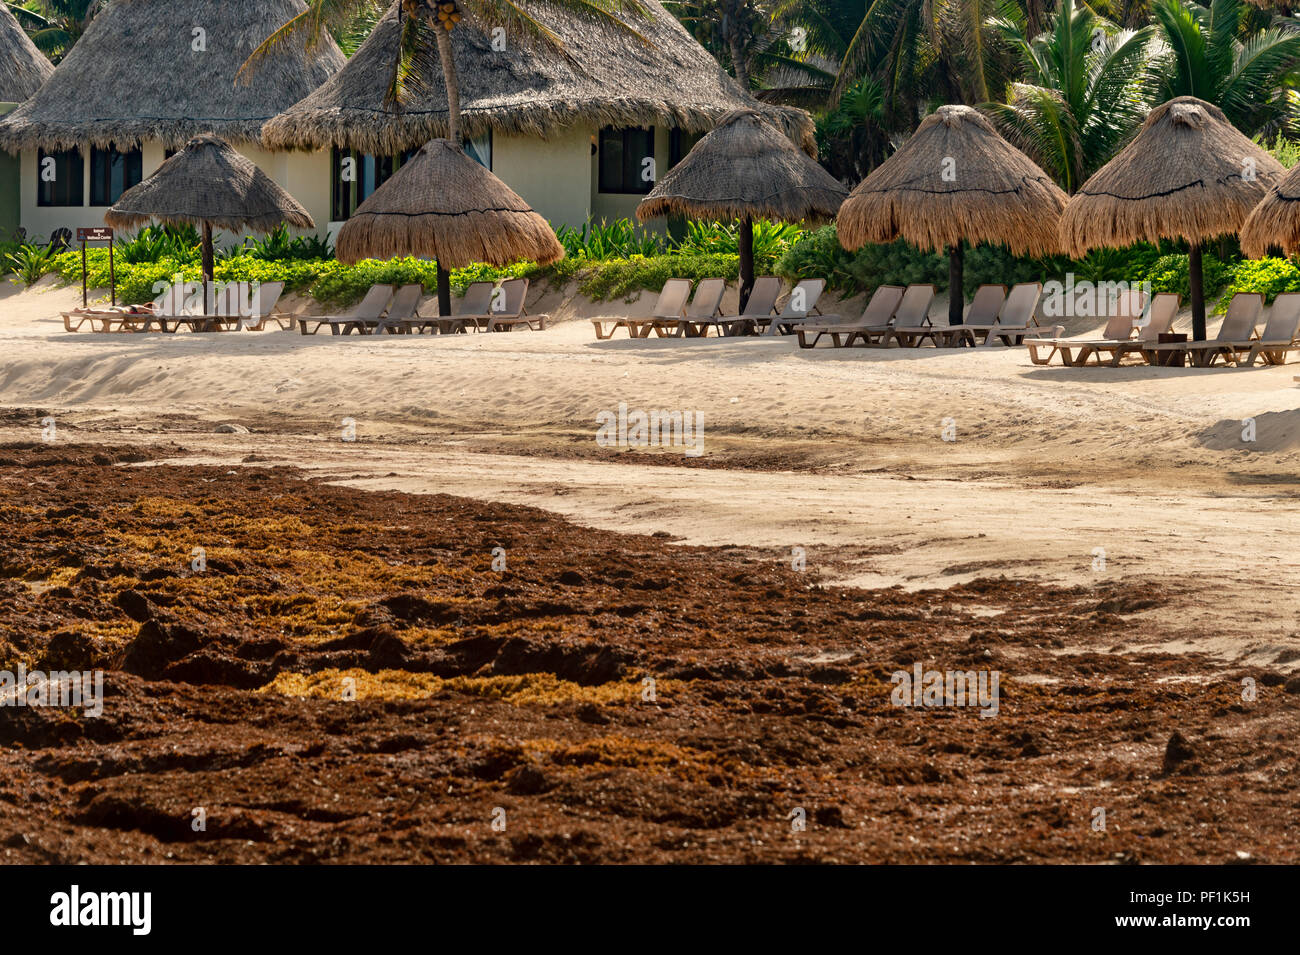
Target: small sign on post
[{"x": 97, "y": 233}]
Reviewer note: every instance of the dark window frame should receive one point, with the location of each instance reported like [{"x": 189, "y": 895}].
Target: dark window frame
[
  {"x": 346, "y": 197},
  {"x": 627, "y": 147},
  {"x": 46, "y": 195},
  {"x": 101, "y": 179}
]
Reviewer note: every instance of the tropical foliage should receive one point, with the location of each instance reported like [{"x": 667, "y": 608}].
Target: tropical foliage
[{"x": 1066, "y": 80}]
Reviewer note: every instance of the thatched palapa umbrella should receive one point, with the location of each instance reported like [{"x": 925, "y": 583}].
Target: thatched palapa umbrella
[
  {"x": 1188, "y": 174},
  {"x": 23, "y": 68},
  {"x": 443, "y": 205},
  {"x": 956, "y": 179},
  {"x": 745, "y": 170},
  {"x": 1275, "y": 222},
  {"x": 208, "y": 184}
]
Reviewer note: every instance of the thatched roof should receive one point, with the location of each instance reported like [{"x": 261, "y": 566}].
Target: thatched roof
[
  {"x": 1184, "y": 176},
  {"x": 989, "y": 192},
  {"x": 608, "y": 79},
  {"x": 745, "y": 167},
  {"x": 1276, "y": 220},
  {"x": 23, "y": 68},
  {"x": 208, "y": 181},
  {"x": 443, "y": 205},
  {"x": 135, "y": 75}
]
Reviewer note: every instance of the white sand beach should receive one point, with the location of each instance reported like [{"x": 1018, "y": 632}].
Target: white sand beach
[{"x": 1080, "y": 476}]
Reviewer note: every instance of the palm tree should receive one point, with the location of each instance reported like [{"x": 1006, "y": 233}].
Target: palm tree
[
  {"x": 736, "y": 32},
  {"x": 520, "y": 26},
  {"x": 919, "y": 50},
  {"x": 1204, "y": 56},
  {"x": 55, "y": 25},
  {"x": 1082, "y": 94}
]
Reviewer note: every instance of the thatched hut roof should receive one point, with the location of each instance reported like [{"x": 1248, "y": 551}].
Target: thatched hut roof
[
  {"x": 443, "y": 205},
  {"x": 1276, "y": 220},
  {"x": 745, "y": 167},
  {"x": 136, "y": 75},
  {"x": 23, "y": 68},
  {"x": 608, "y": 78},
  {"x": 1186, "y": 175},
  {"x": 209, "y": 182},
  {"x": 955, "y": 179}
]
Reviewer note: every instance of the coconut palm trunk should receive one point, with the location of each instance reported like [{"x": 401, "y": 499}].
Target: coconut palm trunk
[
  {"x": 739, "y": 66},
  {"x": 447, "y": 57}
]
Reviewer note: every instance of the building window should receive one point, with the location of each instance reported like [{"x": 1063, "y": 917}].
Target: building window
[
  {"x": 479, "y": 149},
  {"x": 355, "y": 176},
  {"x": 113, "y": 173},
  {"x": 679, "y": 144},
  {"x": 623, "y": 155},
  {"x": 59, "y": 178}
]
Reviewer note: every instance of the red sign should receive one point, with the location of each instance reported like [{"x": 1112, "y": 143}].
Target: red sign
[{"x": 95, "y": 234}]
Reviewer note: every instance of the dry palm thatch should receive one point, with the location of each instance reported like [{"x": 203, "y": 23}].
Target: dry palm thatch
[
  {"x": 1276, "y": 220},
  {"x": 165, "y": 70},
  {"x": 607, "y": 77},
  {"x": 745, "y": 169},
  {"x": 956, "y": 179},
  {"x": 23, "y": 68},
  {"x": 208, "y": 184},
  {"x": 443, "y": 205},
  {"x": 1188, "y": 174}
]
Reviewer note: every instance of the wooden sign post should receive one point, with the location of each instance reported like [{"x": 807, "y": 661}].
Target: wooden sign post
[{"x": 97, "y": 234}]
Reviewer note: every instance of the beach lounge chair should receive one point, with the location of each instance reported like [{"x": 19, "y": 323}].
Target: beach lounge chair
[
  {"x": 705, "y": 306},
  {"x": 476, "y": 301},
  {"x": 175, "y": 308},
  {"x": 1237, "y": 333},
  {"x": 800, "y": 307},
  {"x": 1127, "y": 311},
  {"x": 1281, "y": 333},
  {"x": 400, "y": 313},
  {"x": 671, "y": 304},
  {"x": 1015, "y": 318},
  {"x": 367, "y": 314},
  {"x": 982, "y": 312},
  {"x": 113, "y": 318},
  {"x": 1157, "y": 320},
  {"x": 508, "y": 312},
  {"x": 266, "y": 308},
  {"x": 758, "y": 307},
  {"x": 874, "y": 321}
]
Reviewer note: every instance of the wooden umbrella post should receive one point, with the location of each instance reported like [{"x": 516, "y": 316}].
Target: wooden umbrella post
[
  {"x": 444, "y": 290},
  {"x": 956, "y": 298},
  {"x": 207, "y": 262},
  {"x": 1196, "y": 283},
  {"x": 745, "y": 245}
]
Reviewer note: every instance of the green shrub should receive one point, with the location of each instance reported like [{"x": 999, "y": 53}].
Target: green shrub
[
  {"x": 818, "y": 254},
  {"x": 620, "y": 278},
  {"x": 30, "y": 263},
  {"x": 607, "y": 240},
  {"x": 1271, "y": 277},
  {"x": 1169, "y": 274}
]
